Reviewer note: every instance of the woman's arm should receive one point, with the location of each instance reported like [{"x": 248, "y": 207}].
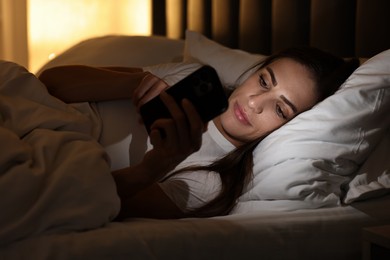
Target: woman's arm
[
  {"x": 78, "y": 83},
  {"x": 137, "y": 185},
  {"x": 148, "y": 200}
]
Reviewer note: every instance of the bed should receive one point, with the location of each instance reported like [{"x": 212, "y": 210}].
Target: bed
[{"x": 312, "y": 193}]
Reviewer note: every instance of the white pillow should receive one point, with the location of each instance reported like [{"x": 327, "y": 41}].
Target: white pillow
[
  {"x": 373, "y": 178},
  {"x": 120, "y": 50},
  {"x": 314, "y": 154},
  {"x": 198, "y": 49},
  {"x": 172, "y": 72},
  {"x": 229, "y": 63}
]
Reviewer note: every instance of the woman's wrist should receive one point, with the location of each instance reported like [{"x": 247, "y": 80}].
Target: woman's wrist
[{"x": 133, "y": 179}]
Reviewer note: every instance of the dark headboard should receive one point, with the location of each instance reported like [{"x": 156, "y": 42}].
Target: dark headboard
[{"x": 358, "y": 28}]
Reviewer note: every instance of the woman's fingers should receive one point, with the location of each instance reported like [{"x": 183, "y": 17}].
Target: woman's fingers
[
  {"x": 150, "y": 87},
  {"x": 188, "y": 123},
  {"x": 175, "y": 138},
  {"x": 196, "y": 125},
  {"x": 179, "y": 117},
  {"x": 146, "y": 83}
]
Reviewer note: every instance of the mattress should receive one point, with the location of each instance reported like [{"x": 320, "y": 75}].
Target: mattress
[{"x": 328, "y": 233}]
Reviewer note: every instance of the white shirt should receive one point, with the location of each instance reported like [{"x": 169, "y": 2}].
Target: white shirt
[
  {"x": 187, "y": 190},
  {"x": 191, "y": 190}
]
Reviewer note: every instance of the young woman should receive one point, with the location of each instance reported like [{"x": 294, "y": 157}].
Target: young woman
[{"x": 194, "y": 169}]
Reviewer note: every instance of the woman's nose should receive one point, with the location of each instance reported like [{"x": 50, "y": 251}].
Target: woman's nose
[{"x": 256, "y": 103}]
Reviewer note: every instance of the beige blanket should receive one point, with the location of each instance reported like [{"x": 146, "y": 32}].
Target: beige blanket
[{"x": 54, "y": 176}]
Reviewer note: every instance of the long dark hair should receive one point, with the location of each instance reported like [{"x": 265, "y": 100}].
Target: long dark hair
[{"x": 236, "y": 168}]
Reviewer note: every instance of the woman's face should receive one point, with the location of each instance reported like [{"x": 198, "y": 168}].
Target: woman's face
[{"x": 266, "y": 100}]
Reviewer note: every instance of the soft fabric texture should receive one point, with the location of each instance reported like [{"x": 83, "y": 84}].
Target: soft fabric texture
[
  {"x": 55, "y": 177},
  {"x": 373, "y": 178},
  {"x": 123, "y": 137},
  {"x": 173, "y": 72},
  {"x": 321, "y": 234},
  {"x": 229, "y": 63},
  {"x": 127, "y": 51},
  {"x": 191, "y": 190}
]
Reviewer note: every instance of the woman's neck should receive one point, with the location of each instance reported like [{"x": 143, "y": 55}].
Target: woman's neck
[{"x": 218, "y": 124}]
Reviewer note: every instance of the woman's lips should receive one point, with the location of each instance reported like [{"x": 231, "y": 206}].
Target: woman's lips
[{"x": 240, "y": 114}]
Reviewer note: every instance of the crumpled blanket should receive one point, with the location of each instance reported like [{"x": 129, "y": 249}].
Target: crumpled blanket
[{"x": 54, "y": 175}]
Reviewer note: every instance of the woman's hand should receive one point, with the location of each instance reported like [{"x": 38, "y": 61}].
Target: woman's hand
[
  {"x": 174, "y": 139},
  {"x": 150, "y": 87}
]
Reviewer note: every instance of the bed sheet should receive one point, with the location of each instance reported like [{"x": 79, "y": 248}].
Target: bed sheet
[
  {"x": 54, "y": 174},
  {"x": 328, "y": 233}
]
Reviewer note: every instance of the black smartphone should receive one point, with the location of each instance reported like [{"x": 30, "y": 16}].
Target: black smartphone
[{"x": 202, "y": 87}]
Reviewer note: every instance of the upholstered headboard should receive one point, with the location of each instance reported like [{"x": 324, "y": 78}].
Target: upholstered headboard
[{"x": 344, "y": 27}]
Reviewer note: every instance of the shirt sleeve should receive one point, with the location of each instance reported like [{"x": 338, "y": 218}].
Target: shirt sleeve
[{"x": 191, "y": 190}]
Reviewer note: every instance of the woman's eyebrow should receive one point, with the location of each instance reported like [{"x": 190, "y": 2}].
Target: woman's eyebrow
[
  {"x": 271, "y": 72},
  {"x": 291, "y": 105}
]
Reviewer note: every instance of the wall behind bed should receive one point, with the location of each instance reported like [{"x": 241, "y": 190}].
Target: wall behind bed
[{"x": 344, "y": 27}]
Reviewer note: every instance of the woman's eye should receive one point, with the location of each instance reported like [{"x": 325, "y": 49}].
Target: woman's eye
[
  {"x": 280, "y": 113},
  {"x": 262, "y": 82}
]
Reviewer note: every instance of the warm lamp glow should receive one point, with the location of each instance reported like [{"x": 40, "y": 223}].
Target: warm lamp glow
[{"x": 58, "y": 24}]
